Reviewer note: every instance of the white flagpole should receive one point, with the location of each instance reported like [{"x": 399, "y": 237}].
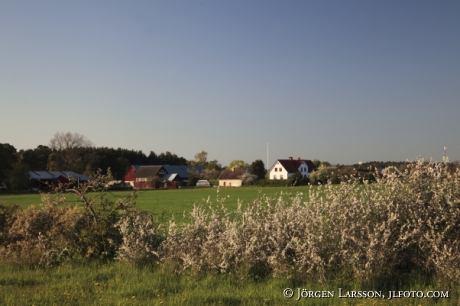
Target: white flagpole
[{"x": 267, "y": 155}]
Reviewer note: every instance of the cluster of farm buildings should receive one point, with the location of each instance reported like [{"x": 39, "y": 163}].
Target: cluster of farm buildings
[{"x": 140, "y": 176}]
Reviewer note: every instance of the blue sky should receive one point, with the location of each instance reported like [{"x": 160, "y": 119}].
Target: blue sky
[{"x": 342, "y": 81}]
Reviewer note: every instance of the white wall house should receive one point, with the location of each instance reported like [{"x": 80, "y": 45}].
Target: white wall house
[
  {"x": 285, "y": 168},
  {"x": 231, "y": 178}
]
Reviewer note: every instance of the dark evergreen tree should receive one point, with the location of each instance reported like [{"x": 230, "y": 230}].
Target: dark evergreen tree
[
  {"x": 8, "y": 159},
  {"x": 258, "y": 168},
  {"x": 36, "y": 159}
]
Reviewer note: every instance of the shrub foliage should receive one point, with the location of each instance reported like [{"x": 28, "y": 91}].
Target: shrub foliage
[{"x": 403, "y": 222}]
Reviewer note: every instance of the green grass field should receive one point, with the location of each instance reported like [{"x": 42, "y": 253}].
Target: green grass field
[
  {"x": 124, "y": 284},
  {"x": 171, "y": 201},
  {"x": 120, "y": 283}
]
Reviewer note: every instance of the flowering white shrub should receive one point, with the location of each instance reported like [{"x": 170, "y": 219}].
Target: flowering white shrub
[
  {"x": 403, "y": 221},
  {"x": 41, "y": 234},
  {"x": 141, "y": 237},
  {"x": 55, "y": 231}
]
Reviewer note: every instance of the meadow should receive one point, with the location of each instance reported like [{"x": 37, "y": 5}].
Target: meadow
[
  {"x": 239, "y": 246},
  {"x": 166, "y": 203},
  {"x": 119, "y": 283}
]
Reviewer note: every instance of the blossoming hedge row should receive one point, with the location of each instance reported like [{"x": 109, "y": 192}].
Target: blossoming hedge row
[{"x": 404, "y": 222}]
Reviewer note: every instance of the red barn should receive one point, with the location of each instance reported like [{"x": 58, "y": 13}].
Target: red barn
[
  {"x": 129, "y": 175},
  {"x": 144, "y": 174},
  {"x": 140, "y": 176}
]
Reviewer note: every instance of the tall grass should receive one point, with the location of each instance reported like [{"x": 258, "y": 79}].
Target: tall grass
[{"x": 119, "y": 283}]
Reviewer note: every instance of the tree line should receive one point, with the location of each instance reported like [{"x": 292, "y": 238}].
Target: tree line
[{"x": 74, "y": 152}]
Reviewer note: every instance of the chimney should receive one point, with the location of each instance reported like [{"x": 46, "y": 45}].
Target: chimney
[
  {"x": 290, "y": 157},
  {"x": 298, "y": 158}
]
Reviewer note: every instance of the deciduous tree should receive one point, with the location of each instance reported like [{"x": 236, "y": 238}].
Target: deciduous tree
[
  {"x": 214, "y": 165},
  {"x": 316, "y": 162},
  {"x": 68, "y": 147},
  {"x": 201, "y": 159},
  {"x": 322, "y": 174},
  {"x": 238, "y": 164},
  {"x": 248, "y": 179}
]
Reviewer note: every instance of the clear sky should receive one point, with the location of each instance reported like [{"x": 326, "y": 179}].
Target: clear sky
[{"x": 342, "y": 81}]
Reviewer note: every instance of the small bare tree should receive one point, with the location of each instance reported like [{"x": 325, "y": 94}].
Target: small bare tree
[{"x": 68, "y": 147}]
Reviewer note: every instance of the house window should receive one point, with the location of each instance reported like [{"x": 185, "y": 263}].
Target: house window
[
  {"x": 275, "y": 177},
  {"x": 281, "y": 177},
  {"x": 276, "y": 169}
]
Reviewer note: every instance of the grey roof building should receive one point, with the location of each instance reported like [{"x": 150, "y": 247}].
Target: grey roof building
[{"x": 46, "y": 180}]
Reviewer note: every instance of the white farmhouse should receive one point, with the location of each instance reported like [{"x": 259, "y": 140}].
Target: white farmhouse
[
  {"x": 231, "y": 178},
  {"x": 285, "y": 168}
]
